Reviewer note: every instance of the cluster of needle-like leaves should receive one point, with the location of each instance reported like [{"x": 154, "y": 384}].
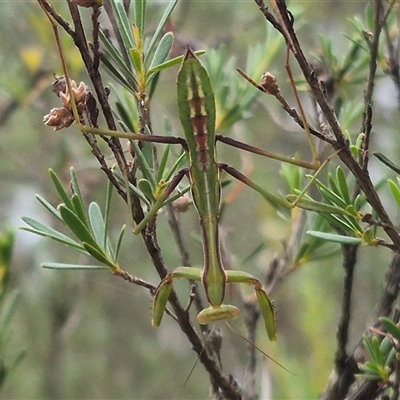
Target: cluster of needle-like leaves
[
  {"x": 382, "y": 353},
  {"x": 136, "y": 65},
  {"x": 87, "y": 226}
]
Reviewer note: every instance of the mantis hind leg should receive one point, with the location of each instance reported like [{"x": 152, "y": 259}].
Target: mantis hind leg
[{"x": 266, "y": 305}]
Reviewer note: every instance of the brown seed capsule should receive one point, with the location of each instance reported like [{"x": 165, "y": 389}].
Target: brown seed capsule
[
  {"x": 268, "y": 82},
  {"x": 79, "y": 92},
  {"x": 59, "y": 118},
  {"x": 63, "y": 117}
]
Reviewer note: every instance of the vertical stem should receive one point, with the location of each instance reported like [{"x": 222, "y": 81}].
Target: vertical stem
[
  {"x": 343, "y": 363},
  {"x": 251, "y": 316}
]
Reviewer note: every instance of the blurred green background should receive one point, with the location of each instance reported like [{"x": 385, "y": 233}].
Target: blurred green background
[{"x": 88, "y": 335}]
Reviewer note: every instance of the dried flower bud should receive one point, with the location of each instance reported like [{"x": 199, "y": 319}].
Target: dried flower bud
[
  {"x": 60, "y": 88},
  {"x": 80, "y": 92},
  {"x": 63, "y": 117},
  {"x": 59, "y": 118},
  {"x": 268, "y": 82},
  {"x": 88, "y": 3}
]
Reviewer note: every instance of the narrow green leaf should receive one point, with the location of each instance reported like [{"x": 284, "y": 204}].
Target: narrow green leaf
[
  {"x": 367, "y": 342},
  {"x": 331, "y": 237},
  {"x": 119, "y": 241},
  {"x": 395, "y": 190},
  {"x": 339, "y": 223},
  {"x": 138, "y": 193},
  {"x": 140, "y": 16},
  {"x": 59, "y": 187},
  {"x": 147, "y": 151},
  {"x": 369, "y": 236},
  {"x": 377, "y": 351},
  {"x": 151, "y": 81},
  {"x": 331, "y": 196},
  {"x": 312, "y": 205},
  {"x": 391, "y": 327},
  {"x": 43, "y": 230},
  {"x": 355, "y": 151},
  {"x": 160, "y": 202},
  {"x": 78, "y": 228},
  {"x": 163, "y": 49},
  {"x": 124, "y": 25},
  {"x": 386, "y": 346},
  {"x": 97, "y": 224},
  {"x": 144, "y": 164},
  {"x": 170, "y": 63},
  {"x": 48, "y": 207},
  {"x": 390, "y": 356},
  {"x": 79, "y": 209},
  {"x": 75, "y": 185},
  {"x": 163, "y": 163},
  {"x": 107, "y": 212},
  {"x": 332, "y": 184},
  {"x": 147, "y": 189},
  {"x": 344, "y": 190},
  {"x": 54, "y": 265},
  {"x": 96, "y": 253},
  {"x": 132, "y": 188},
  {"x": 116, "y": 56},
  {"x": 114, "y": 73},
  {"x": 371, "y": 368},
  {"x": 353, "y": 223},
  {"x": 177, "y": 165},
  {"x": 383, "y": 159},
  {"x": 160, "y": 26},
  {"x": 352, "y": 210},
  {"x": 360, "y": 201},
  {"x": 136, "y": 60},
  {"x": 127, "y": 110},
  {"x": 322, "y": 252},
  {"x": 367, "y": 377}
]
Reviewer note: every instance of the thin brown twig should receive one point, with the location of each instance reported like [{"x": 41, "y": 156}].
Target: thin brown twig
[
  {"x": 137, "y": 281},
  {"x": 341, "y": 357},
  {"x": 393, "y": 55},
  {"x": 366, "y": 127},
  {"x": 251, "y": 317}
]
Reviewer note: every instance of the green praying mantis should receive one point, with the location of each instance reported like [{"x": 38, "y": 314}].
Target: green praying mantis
[{"x": 197, "y": 113}]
